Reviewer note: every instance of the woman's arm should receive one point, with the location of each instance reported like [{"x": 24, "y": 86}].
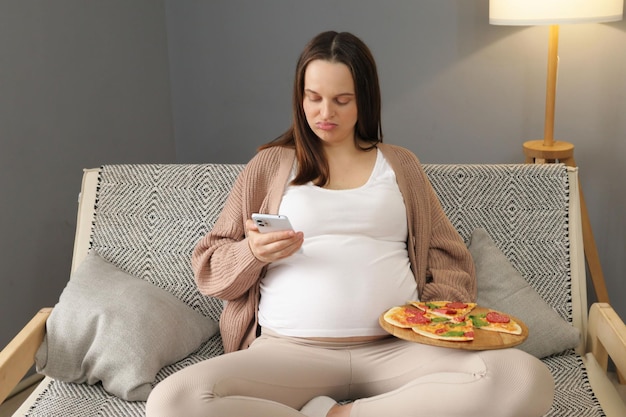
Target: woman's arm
[
  {"x": 232, "y": 257},
  {"x": 223, "y": 264},
  {"x": 450, "y": 272}
]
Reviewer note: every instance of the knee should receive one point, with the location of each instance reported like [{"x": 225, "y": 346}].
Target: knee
[
  {"x": 532, "y": 384},
  {"x": 174, "y": 397},
  {"x": 521, "y": 383},
  {"x": 535, "y": 374},
  {"x": 541, "y": 384},
  {"x": 163, "y": 399}
]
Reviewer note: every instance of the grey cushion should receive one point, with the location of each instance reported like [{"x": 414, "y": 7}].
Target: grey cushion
[
  {"x": 501, "y": 287},
  {"x": 112, "y": 327}
]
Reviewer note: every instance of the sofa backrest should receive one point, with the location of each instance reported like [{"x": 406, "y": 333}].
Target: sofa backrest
[
  {"x": 149, "y": 217},
  {"x": 525, "y": 210}
]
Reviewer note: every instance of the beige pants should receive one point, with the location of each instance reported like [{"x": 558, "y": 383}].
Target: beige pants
[{"x": 277, "y": 375}]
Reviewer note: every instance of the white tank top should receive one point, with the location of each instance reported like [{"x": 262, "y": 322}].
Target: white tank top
[{"x": 353, "y": 264}]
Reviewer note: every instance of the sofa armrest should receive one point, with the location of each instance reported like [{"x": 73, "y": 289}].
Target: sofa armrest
[
  {"x": 19, "y": 355},
  {"x": 606, "y": 337}
]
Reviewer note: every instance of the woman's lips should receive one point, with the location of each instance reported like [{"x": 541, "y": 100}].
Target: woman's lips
[{"x": 326, "y": 125}]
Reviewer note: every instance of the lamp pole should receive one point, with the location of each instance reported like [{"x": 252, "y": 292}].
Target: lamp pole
[{"x": 548, "y": 150}]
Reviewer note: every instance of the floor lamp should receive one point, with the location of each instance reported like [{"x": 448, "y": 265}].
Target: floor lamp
[{"x": 547, "y": 150}]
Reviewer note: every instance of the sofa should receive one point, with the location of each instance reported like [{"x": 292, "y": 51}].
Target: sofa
[{"x": 130, "y": 314}]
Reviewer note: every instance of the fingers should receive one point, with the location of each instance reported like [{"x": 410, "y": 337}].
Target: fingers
[{"x": 270, "y": 247}]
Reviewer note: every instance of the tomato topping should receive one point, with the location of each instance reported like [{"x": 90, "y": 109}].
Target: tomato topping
[
  {"x": 456, "y": 305},
  {"x": 415, "y": 316},
  {"x": 419, "y": 319},
  {"x": 493, "y": 317},
  {"x": 448, "y": 311}
]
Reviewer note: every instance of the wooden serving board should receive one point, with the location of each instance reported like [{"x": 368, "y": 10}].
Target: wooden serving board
[{"x": 483, "y": 339}]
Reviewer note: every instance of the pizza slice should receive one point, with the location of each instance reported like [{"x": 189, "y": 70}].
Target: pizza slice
[
  {"x": 495, "y": 321},
  {"x": 446, "y": 329},
  {"x": 448, "y": 309},
  {"x": 405, "y": 316}
]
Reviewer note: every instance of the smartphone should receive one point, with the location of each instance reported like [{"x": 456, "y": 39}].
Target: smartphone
[{"x": 271, "y": 222}]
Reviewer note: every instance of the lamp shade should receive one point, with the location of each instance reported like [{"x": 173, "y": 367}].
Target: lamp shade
[{"x": 554, "y": 12}]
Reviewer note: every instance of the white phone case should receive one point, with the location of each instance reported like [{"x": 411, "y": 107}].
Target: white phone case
[{"x": 271, "y": 222}]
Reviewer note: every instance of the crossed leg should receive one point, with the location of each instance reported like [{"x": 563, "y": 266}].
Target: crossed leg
[{"x": 276, "y": 376}]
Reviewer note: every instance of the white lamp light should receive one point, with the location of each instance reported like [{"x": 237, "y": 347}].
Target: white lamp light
[
  {"x": 553, "y": 13},
  {"x": 550, "y": 12}
]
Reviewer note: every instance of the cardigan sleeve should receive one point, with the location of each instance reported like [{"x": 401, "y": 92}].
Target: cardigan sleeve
[
  {"x": 450, "y": 272},
  {"x": 223, "y": 264}
]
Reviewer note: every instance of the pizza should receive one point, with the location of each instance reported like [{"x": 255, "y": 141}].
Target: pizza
[
  {"x": 429, "y": 324},
  {"x": 449, "y": 321},
  {"x": 495, "y": 321},
  {"x": 405, "y": 316},
  {"x": 447, "y": 309},
  {"x": 441, "y": 328}
]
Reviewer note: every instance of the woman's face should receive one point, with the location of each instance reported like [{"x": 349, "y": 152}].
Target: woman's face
[{"x": 330, "y": 102}]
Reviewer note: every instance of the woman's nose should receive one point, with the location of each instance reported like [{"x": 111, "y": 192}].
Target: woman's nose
[{"x": 326, "y": 109}]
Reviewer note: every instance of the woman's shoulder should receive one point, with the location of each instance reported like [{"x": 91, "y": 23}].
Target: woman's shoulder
[
  {"x": 271, "y": 157},
  {"x": 400, "y": 153},
  {"x": 266, "y": 165}
]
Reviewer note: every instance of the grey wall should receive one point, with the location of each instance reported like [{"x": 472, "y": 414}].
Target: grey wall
[
  {"x": 455, "y": 89},
  {"x": 82, "y": 83}
]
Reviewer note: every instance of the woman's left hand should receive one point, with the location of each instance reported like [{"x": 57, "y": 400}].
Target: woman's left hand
[{"x": 272, "y": 246}]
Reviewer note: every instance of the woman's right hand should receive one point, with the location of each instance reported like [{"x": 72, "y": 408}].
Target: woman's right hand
[{"x": 272, "y": 246}]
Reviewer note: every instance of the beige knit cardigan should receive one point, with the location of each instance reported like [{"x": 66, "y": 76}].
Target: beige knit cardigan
[{"x": 225, "y": 267}]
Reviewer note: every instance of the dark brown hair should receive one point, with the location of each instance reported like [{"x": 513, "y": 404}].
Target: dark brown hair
[{"x": 349, "y": 50}]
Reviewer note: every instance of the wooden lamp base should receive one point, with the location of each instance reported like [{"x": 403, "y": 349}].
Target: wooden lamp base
[{"x": 536, "y": 151}]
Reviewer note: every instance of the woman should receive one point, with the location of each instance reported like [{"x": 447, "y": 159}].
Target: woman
[{"x": 300, "y": 327}]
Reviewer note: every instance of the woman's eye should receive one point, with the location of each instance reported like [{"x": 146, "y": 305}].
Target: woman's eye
[{"x": 342, "y": 101}]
